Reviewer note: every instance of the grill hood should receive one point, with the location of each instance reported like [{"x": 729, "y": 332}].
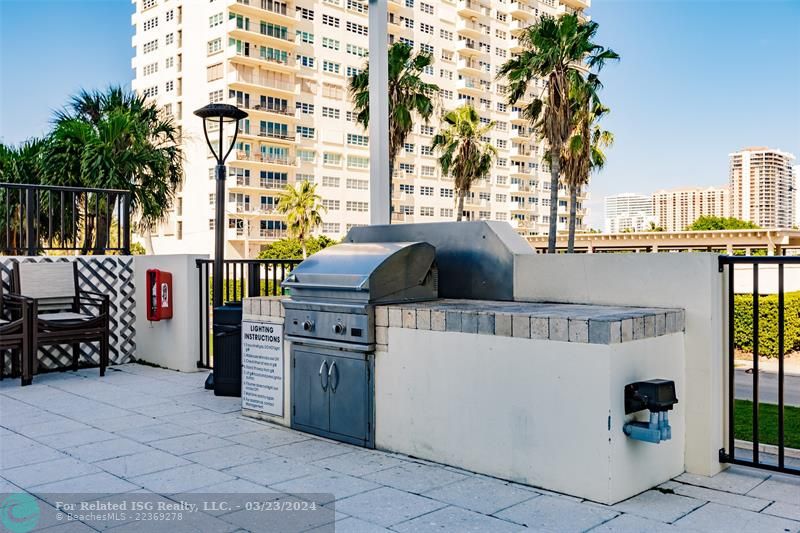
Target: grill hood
[{"x": 377, "y": 272}]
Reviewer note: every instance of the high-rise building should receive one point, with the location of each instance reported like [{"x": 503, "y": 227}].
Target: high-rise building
[
  {"x": 762, "y": 187},
  {"x": 288, "y": 64},
  {"x": 628, "y": 212},
  {"x": 678, "y": 208}
]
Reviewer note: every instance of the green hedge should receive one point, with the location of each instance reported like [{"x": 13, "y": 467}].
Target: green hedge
[
  {"x": 235, "y": 290},
  {"x": 767, "y": 323}
]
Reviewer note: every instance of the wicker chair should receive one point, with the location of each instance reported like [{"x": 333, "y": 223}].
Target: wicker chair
[
  {"x": 14, "y": 336},
  {"x": 58, "y": 310}
]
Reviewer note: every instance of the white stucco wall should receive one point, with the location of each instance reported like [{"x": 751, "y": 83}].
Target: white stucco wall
[
  {"x": 172, "y": 343},
  {"x": 545, "y": 413},
  {"x": 690, "y": 281}
]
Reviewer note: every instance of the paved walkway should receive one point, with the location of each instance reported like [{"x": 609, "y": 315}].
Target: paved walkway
[{"x": 142, "y": 430}]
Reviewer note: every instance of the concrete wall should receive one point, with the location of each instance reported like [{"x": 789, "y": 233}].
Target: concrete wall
[
  {"x": 545, "y": 413},
  {"x": 173, "y": 343},
  {"x": 767, "y": 279},
  {"x": 688, "y": 281}
]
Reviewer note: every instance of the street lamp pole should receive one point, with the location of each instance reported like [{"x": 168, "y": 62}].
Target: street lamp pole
[
  {"x": 222, "y": 114},
  {"x": 380, "y": 193}
]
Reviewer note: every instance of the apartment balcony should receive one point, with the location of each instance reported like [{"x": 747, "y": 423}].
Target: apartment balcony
[
  {"x": 263, "y": 159},
  {"x": 468, "y": 66},
  {"x": 520, "y": 135},
  {"x": 521, "y": 152},
  {"x": 252, "y": 59},
  {"x": 470, "y": 28},
  {"x": 576, "y": 4},
  {"x": 253, "y": 33},
  {"x": 517, "y": 117},
  {"x": 470, "y": 8},
  {"x": 402, "y": 217},
  {"x": 521, "y": 10},
  {"x": 518, "y": 26},
  {"x": 517, "y": 206},
  {"x": 469, "y": 48},
  {"x": 266, "y": 10},
  {"x": 278, "y": 137},
  {"x": 267, "y": 111},
  {"x": 519, "y": 187},
  {"x": 470, "y": 86},
  {"x": 260, "y": 82}
]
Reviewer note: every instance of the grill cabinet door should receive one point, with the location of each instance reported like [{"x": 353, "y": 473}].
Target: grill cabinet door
[
  {"x": 350, "y": 402},
  {"x": 310, "y": 402}
]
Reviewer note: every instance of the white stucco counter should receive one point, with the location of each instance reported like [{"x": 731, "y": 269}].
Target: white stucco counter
[{"x": 528, "y": 392}]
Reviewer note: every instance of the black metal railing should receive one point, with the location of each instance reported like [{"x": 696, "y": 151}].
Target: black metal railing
[
  {"x": 242, "y": 278},
  {"x": 35, "y": 219},
  {"x": 768, "y": 451}
]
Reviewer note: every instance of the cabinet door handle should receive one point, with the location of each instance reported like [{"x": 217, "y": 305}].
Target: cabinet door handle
[
  {"x": 324, "y": 384},
  {"x": 334, "y": 376}
]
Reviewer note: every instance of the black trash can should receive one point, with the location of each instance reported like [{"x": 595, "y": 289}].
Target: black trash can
[{"x": 228, "y": 349}]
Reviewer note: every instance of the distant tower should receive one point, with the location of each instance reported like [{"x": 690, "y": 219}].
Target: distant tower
[{"x": 762, "y": 187}]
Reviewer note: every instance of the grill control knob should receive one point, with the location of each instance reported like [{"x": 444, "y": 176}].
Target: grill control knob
[
  {"x": 308, "y": 325},
  {"x": 338, "y": 328}
]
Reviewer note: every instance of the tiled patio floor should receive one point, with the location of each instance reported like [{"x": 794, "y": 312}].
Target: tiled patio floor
[{"x": 142, "y": 429}]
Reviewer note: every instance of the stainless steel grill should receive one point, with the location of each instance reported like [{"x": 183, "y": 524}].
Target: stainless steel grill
[{"x": 330, "y": 320}]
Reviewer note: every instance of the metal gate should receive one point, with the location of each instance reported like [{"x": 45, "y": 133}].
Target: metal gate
[
  {"x": 765, "y": 318},
  {"x": 242, "y": 278}
]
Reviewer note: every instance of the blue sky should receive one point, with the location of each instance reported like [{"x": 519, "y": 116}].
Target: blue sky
[{"x": 698, "y": 79}]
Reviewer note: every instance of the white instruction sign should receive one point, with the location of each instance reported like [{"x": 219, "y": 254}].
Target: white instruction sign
[{"x": 262, "y": 367}]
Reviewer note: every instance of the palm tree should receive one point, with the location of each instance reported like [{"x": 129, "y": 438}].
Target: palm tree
[
  {"x": 303, "y": 209},
  {"x": 463, "y": 154},
  {"x": 408, "y": 95},
  {"x": 552, "y": 48},
  {"x": 118, "y": 140},
  {"x": 19, "y": 164},
  {"x": 584, "y": 150}
]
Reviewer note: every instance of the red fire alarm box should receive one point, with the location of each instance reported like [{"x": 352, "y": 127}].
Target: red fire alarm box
[{"x": 159, "y": 290}]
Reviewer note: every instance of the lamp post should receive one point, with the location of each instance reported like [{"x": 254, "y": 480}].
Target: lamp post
[{"x": 221, "y": 115}]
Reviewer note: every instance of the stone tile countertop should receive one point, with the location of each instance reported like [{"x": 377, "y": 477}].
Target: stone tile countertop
[{"x": 595, "y": 324}]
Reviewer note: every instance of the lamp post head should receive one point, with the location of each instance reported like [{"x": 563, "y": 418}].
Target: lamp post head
[{"x": 221, "y": 114}]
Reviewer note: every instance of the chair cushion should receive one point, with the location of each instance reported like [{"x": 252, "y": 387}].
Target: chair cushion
[{"x": 66, "y": 315}]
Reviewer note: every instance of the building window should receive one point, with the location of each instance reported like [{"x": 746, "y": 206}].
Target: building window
[
  {"x": 330, "y": 112},
  {"x": 427, "y": 171},
  {"x": 426, "y": 211},
  {"x": 304, "y": 108},
  {"x": 332, "y": 159},
  {"x": 330, "y": 20},
  {"x": 357, "y": 206},
  {"x": 330, "y": 67},
  {"x": 446, "y": 193},
  {"x": 406, "y": 188},
  {"x": 215, "y": 45},
  {"x": 306, "y": 132},
  {"x": 150, "y": 92},
  {"x": 152, "y": 68},
  {"x": 150, "y": 24},
  {"x": 357, "y": 140},
  {"x": 215, "y": 96},
  {"x": 170, "y": 86},
  {"x": 306, "y": 61},
  {"x": 306, "y": 14},
  {"x": 358, "y": 29},
  {"x": 169, "y": 39},
  {"x": 330, "y": 227},
  {"x": 357, "y": 6},
  {"x": 359, "y": 51},
  {"x": 357, "y": 184},
  {"x": 331, "y": 205},
  {"x": 215, "y": 20},
  {"x": 305, "y": 37},
  {"x": 354, "y": 161},
  {"x": 214, "y": 72},
  {"x": 169, "y": 62},
  {"x": 330, "y": 181},
  {"x": 426, "y": 190},
  {"x": 147, "y": 4},
  {"x": 446, "y": 212},
  {"x": 150, "y": 46},
  {"x": 329, "y": 43}
]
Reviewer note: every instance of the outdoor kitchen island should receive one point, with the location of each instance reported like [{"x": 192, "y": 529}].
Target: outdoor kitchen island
[{"x": 524, "y": 391}]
